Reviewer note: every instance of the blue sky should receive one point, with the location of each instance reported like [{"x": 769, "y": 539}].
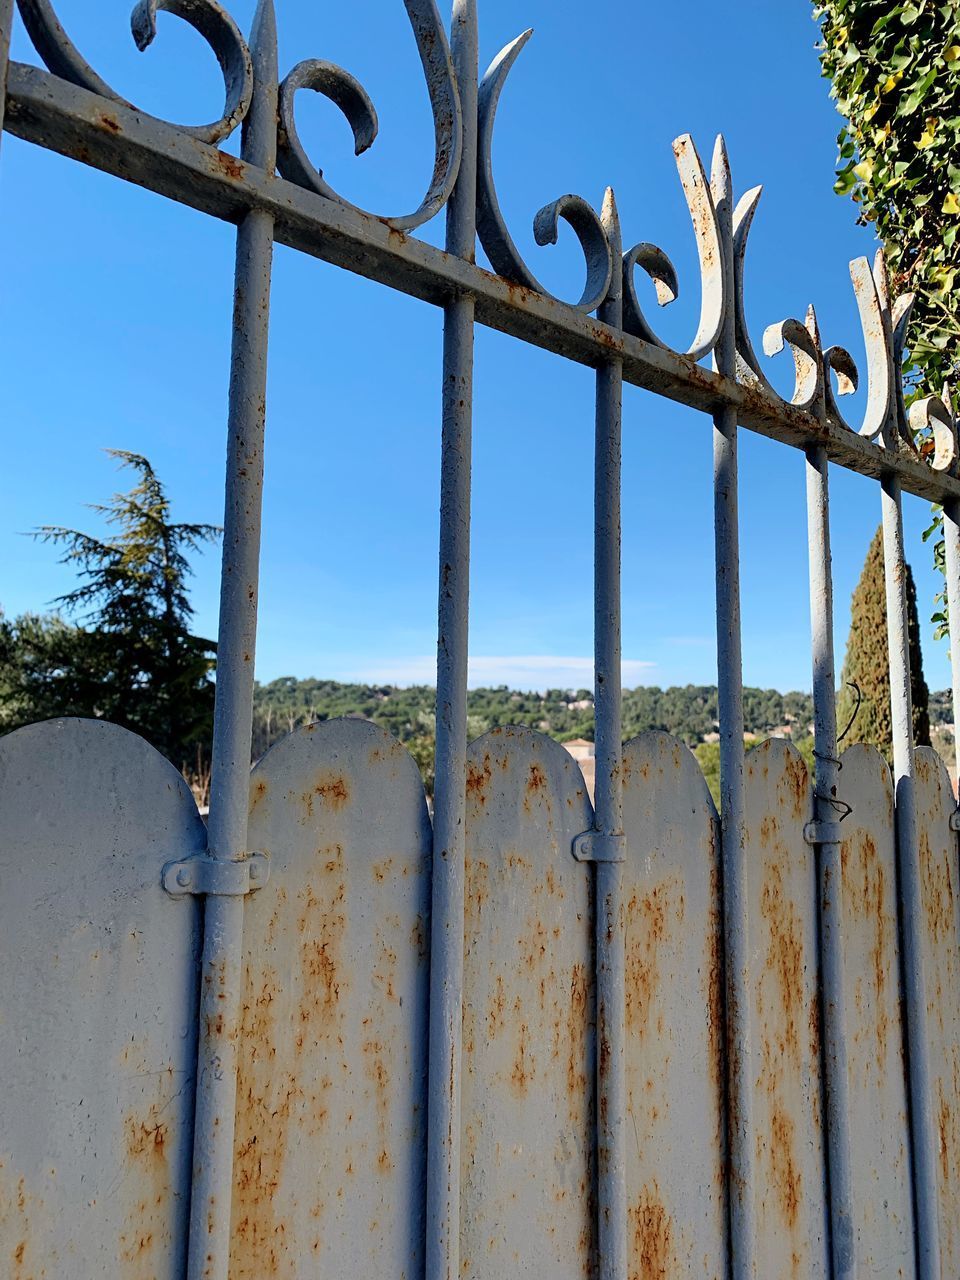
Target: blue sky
[{"x": 115, "y": 333}]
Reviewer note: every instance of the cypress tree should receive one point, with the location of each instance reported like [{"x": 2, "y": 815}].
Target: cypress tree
[{"x": 867, "y": 664}]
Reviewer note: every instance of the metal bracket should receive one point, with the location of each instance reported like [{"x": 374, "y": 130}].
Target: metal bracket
[
  {"x": 955, "y": 820},
  {"x": 822, "y": 833},
  {"x": 594, "y": 846},
  {"x": 209, "y": 877}
]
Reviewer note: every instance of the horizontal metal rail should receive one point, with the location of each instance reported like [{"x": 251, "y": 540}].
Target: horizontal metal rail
[{"x": 128, "y": 144}]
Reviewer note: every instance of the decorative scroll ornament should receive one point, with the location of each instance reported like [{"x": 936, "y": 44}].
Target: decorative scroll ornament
[
  {"x": 884, "y": 331},
  {"x": 497, "y": 242},
  {"x": 934, "y": 419},
  {"x": 207, "y": 17},
  {"x": 652, "y": 260},
  {"x": 350, "y": 96}
]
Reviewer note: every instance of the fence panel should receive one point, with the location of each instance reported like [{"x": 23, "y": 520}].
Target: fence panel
[
  {"x": 527, "y": 1162},
  {"x": 875, "y": 1035},
  {"x": 782, "y": 1054},
  {"x": 676, "y": 1192},
  {"x": 940, "y": 950},
  {"x": 98, "y": 1007},
  {"x": 330, "y": 1159}
]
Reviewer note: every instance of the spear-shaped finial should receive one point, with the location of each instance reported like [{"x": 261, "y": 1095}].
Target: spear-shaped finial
[
  {"x": 260, "y": 126},
  {"x": 721, "y": 181},
  {"x": 611, "y": 311}
]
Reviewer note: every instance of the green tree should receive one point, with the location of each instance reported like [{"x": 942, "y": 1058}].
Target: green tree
[
  {"x": 895, "y": 72},
  {"x": 867, "y": 665},
  {"x": 41, "y": 670},
  {"x": 134, "y": 660}
]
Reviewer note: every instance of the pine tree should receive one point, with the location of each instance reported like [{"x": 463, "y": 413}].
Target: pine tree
[
  {"x": 867, "y": 664},
  {"x": 135, "y": 661}
]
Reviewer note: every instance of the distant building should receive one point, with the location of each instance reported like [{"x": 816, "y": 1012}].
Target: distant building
[{"x": 585, "y": 755}]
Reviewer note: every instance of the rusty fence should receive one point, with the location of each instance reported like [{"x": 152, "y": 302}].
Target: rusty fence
[{"x": 325, "y": 1036}]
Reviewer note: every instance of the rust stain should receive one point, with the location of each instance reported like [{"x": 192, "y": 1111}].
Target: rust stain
[
  {"x": 331, "y": 789},
  {"x": 109, "y": 122},
  {"x": 653, "y": 1253},
  {"x": 477, "y": 889},
  {"x": 713, "y": 977},
  {"x": 280, "y": 1099},
  {"x": 18, "y": 1209},
  {"x": 230, "y": 166},
  {"x": 786, "y": 1177},
  {"x": 865, "y": 898},
  {"x": 948, "y": 1132},
  {"x": 478, "y": 776},
  {"x": 796, "y": 781},
  {"x": 784, "y": 958},
  {"x": 938, "y": 893},
  {"x": 259, "y": 791},
  {"x": 148, "y": 1188},
  {"x": 648, "y": 920}
]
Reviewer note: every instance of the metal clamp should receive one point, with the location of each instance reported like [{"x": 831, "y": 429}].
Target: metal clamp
[
  {"x": 209, "y": 877},
  {"x": 595, "y": 846},
  {"x": 955, "y": 820},
  {"x": 822, "y": 833}
]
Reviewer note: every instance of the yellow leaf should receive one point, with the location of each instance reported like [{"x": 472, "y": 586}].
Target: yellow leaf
[
  {"x": 951, "y": 204},
  {"x": 881, "y": 135},
  {"x": 891, "y": 82},
  {"x": 929, "y": 135},
  {"x": 864, "y": 170},
  {"x": 952, "y": 53}
]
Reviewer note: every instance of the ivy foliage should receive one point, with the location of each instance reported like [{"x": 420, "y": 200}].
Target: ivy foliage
[{"x": 895, "y": 73}]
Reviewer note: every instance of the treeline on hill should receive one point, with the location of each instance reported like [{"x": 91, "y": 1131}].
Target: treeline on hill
[{"x": 689, "y": 712}]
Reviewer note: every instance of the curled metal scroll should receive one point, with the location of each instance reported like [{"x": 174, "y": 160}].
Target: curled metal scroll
[
  {"x": 884, "y": 331},
  {"x": 349, "y": 95},
  {"x": 208, "y": 18},
  {"x": 574, "y": 210},
  {"x": 934, "y": 416},
  {"x": 804, "y": 343},
  {"x": 656, "y": 264}
]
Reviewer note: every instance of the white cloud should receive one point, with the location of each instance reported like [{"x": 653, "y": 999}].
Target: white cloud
[{"x": 526, "y": 671}]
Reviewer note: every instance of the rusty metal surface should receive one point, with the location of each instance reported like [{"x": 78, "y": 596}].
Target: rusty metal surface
[
  {"x": 98, "y": 1006},
  {"x": 790, "y": 1211},
  {"x": 940, "y": 958},
  {"x": 528, "y": 1174},
  {"x": 676, "y": 1159},
  {"x": 331, "y": 1113},
  {"x": 209, "y": 1252},
  {"x": 829, "y": 808},
  {"x": 881, "y": 1197},
  {"x": 453, "y": 624}
]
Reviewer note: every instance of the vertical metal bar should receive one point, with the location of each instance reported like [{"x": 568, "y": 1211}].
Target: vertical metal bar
[
  {"x": 222, "y": 979},
  {"x": 951, "y": 539},
  {"x": 828, "y": 810},
  {"x": 446, "y": 972},
  {"x": 6, "y": 30},
  {"x": 611, "y": 958},
  {"x": 730, "y": 693},
  {"x": 924, "y": 1142}
]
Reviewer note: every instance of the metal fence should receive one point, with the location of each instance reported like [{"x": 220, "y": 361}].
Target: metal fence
[{"x": 536, "y": 1037}]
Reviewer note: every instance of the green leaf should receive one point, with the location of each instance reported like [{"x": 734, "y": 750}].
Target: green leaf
[{"x": 917, "y": 94}]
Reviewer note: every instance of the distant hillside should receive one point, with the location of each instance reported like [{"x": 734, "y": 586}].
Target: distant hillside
[{"x": 688, "y": 712}]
